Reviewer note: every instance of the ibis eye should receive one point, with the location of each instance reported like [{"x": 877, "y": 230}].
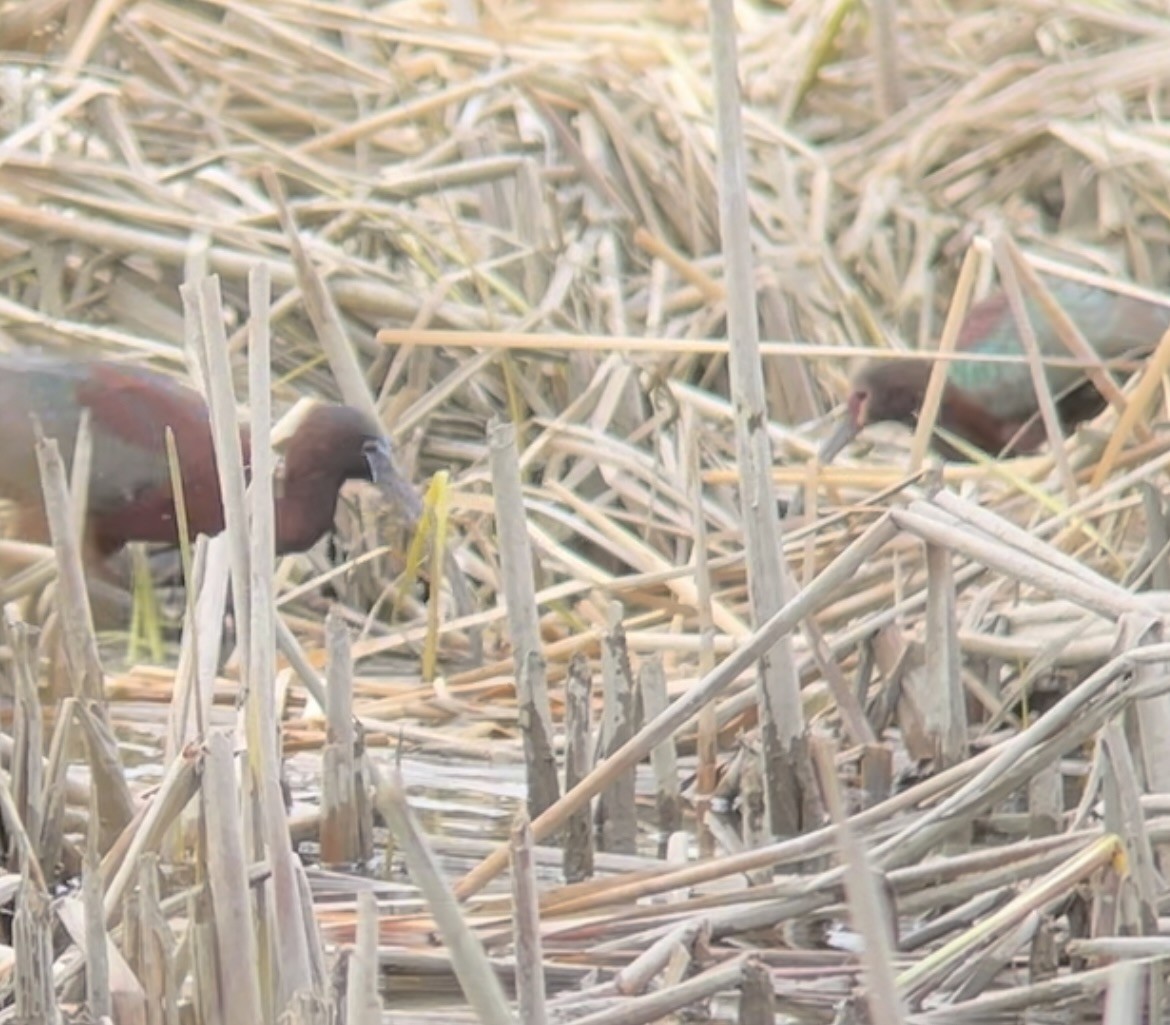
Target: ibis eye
[
  {"x": 376, "y": 450},
  {"x": 377, "y": 455}
]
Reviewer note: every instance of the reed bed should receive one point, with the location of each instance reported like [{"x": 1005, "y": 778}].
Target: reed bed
[{"x": 527, "y": 776}]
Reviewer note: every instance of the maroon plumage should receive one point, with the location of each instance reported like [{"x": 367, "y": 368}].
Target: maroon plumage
[
  {"x": 130, "y": 496},
  {"x": 993, "y": 404}
]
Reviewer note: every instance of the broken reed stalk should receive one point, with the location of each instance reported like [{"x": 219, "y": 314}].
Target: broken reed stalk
[
  {"x": 343, "y": 802},
  {"x": 1151, "y": 719},
  {"x": 81, "y": 650},
  {"x": 363, "y": 1004},
  {"x": 200, "y": 913},
  {"x": 1130, "y": 421},
  {"x": 664, "y": 758},
  {"x": 1152, "y": 566},
  {"x": 149, "y": 942},
  {"x": 80, "y": 642},
  {"x": 936, "y": 385},
  {"x": 468, "y": 959},
  {"x": 519, "y": 588},
  {"x": 97, "y": 958},
  {"x": 55, "y": 781},
  {"x": 945, "y": 711},
  {"x": 1106, "y": 601},
  {"x": 211, "y": 592},
  {"x": 787, "y": 773},
  {"x": 109, "y": 777},
  {"x": 634, "y": 550},
  {"x": 231, "y": 912},
  {"x": 190, "y": 702},
  {"x": 438, "y": 504},
  {"x": 24, "y": 854},
  {"x": 1003, "y": 530},
  {"x": 1073, "y": 718},
  {"x": 1124, "y": 997},
  {"x": 180, "y": 783},
  {"x": 617, "y": 818},
  {"x": 636, "y": 976},
  {"x": 291, "y": 964},
  {"x": 79, "y": 477},
  {"x": 1027, "y": 334},
  {"x": 870, "y": 910},
  {"x": 221, "y": 404},
  {"x": 375, "y": 297},
  {"x": 877, "y": 773},
  {"x": 26, "y": 764},
  {"x": 819, "y": 592},
  {"x": 578, "y": 835},
  {"x": 757, "y": 998},
  {"x": 1125, "y": 819},
  {"x": 32, "y": 942},
  {"x": 530, "y": 990},
  {"x": 1065, "y": 327},
  {"x": 707, "y": 739},
  {"x": 891, "y": 89},
  {"x": 1014, "y": 1000},
  {"x": 817, "y": 843},
  {"x": 30, "y": 579},
  {"x": 319, "y": 305},
  {"x": 560, "y": 343},
  {"x": 291, "y": 649},
  {"x": 853, "y": 717},
  {"x": 1101, "y": 854},
  {"x": 644, "y": 1009}
]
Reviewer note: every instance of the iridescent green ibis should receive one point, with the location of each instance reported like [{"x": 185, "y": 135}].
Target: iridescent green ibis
[
  {"x": 130, "y": 496},
  {"x": 994, "y": 405}
]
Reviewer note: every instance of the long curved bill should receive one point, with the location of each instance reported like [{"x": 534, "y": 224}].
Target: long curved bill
[
  {"x": 845, "y": 431},
  {"x": 396, "y": 488}
]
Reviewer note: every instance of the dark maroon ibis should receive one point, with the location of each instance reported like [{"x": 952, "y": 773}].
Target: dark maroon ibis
[
  {"x": 130, "y": 496},
  {"x": 992, "y": 405}
]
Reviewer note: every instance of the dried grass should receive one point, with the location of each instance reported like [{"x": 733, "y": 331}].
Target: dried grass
[{"x": 513, "y": 208}]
